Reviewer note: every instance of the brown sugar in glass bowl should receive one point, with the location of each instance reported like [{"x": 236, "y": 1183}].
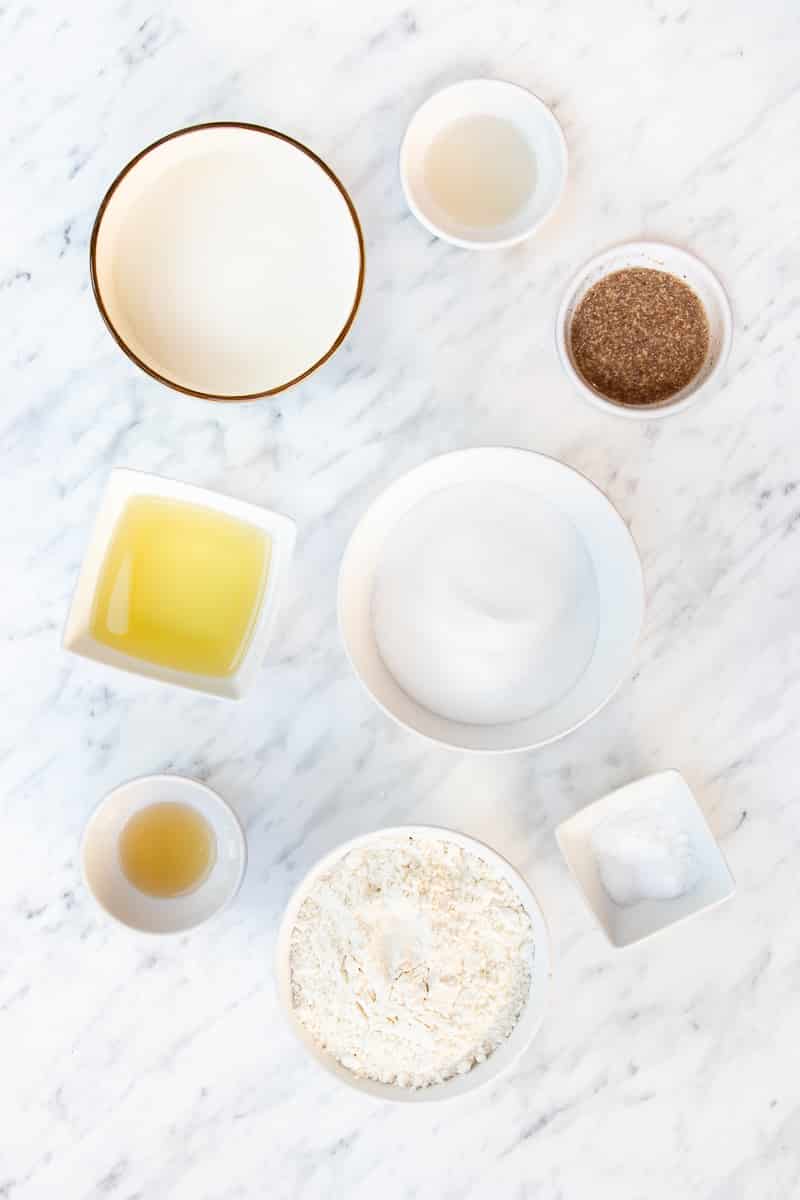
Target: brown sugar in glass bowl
[{"x": 639, "y": 336}]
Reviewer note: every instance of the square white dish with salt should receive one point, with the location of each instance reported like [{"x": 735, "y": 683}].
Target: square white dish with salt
[{"x": 644, "y": 858}]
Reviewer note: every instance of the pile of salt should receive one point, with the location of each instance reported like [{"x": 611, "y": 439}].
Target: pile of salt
[{"x": 645, "y": 856}]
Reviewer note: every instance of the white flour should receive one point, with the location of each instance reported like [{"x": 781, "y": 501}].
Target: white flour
[{"x": 411, "y": 961}]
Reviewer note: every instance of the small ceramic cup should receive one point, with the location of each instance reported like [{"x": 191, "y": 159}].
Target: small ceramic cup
[
  {"x": 103, "y": 874},
  {"x": 531, "y": 119},
  {"x": 657, "y": 256}
]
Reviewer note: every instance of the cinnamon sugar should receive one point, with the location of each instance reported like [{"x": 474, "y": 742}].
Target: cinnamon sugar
[{"x": 639, "y": 336}]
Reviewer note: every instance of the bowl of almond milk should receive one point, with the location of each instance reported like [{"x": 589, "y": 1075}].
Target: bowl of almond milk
[
  {"x": 483, "y": 164},
  {"x": 227, "y": 261}
]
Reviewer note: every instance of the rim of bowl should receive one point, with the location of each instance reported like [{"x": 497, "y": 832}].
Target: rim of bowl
[
  {"x": 478, "y": 244},
  {"x": 371, "y": 1087},
  {"x": 556, "y": 737},
  {"x": 126, "y": 349},
  {"x": 666, "y": 407},
  {"x": 163, "y": 933}
]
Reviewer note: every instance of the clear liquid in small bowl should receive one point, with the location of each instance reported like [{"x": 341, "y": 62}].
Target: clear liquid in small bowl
[{"x": 480, "y": 171}]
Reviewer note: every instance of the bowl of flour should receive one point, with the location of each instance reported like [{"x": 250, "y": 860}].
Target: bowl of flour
[{"x": 413, "y": 963}]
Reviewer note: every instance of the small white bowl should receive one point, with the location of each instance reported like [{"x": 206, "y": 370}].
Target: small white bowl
[
  {"x": 617, "y": 570},
  {"x": 530, "y": 117},
  {"x": 530, "y": 1018},
  {"x": 124, "y": 484},
  {"x": 624, "y": 925},
  {"x": 661, "y": 257},
  {"x": 227, "y": 261},
  {"x": 103, "y": 874}
]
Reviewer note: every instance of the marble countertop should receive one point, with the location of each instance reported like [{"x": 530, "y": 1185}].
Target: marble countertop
[{"x": 136, "y": 1068}]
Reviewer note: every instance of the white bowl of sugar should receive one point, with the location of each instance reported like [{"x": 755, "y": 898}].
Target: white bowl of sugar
[
  {"x": 373, "y": 910},
  {"x": 491, "y": 600},
  {"x": 483, "y": 164}
]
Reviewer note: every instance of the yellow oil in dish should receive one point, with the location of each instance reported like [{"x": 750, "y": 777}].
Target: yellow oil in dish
[
  {"x": 166, "y": 849},
  {"x": 181, "y": 586}
]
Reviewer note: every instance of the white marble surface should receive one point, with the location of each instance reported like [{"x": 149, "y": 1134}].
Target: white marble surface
[{"x": 140, "y": 1069}]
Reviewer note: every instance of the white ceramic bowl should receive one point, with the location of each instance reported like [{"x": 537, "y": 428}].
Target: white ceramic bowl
[
  {"x": 618, "y": 576},
  {"x": 624, "y": 925},
  {"x": 530, "y": 1019},
  {"x": 123, "y": 485},
  {"x": 661, "y": 257},
  {"x": 227, "y": 261},
  {"x": 528, "y": 115},
  {"x": 103, "y": 874}
]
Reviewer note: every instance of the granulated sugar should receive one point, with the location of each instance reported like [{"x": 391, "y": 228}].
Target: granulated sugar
[
  {"x": 485, "y": 604},
  {"x": 411, "y": 961}
]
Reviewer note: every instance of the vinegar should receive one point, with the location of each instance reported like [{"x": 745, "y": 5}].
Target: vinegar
[{"x": 480, "y": 171}]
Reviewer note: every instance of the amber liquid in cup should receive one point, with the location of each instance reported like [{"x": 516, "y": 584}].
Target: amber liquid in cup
[{"x": 166, "y": 849}]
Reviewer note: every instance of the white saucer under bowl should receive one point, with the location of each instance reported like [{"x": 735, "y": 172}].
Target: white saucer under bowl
[
  {"x": 227, "y": 261},
  {"x": 103, "y": 873},
  {"x": 616, "y": 609}
]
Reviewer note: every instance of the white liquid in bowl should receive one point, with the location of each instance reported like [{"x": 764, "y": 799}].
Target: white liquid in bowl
[
  {"x": 228, "y": 261},
  {"x": 480, "y": 171}
]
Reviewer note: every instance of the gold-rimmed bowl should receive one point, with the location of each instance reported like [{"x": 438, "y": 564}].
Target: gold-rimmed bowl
[{"x": 227, "y": 261}]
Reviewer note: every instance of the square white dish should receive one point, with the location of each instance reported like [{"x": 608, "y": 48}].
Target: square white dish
[
  {"x": 624, "y": 925},
  {"x": 122, "y": 486}
]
